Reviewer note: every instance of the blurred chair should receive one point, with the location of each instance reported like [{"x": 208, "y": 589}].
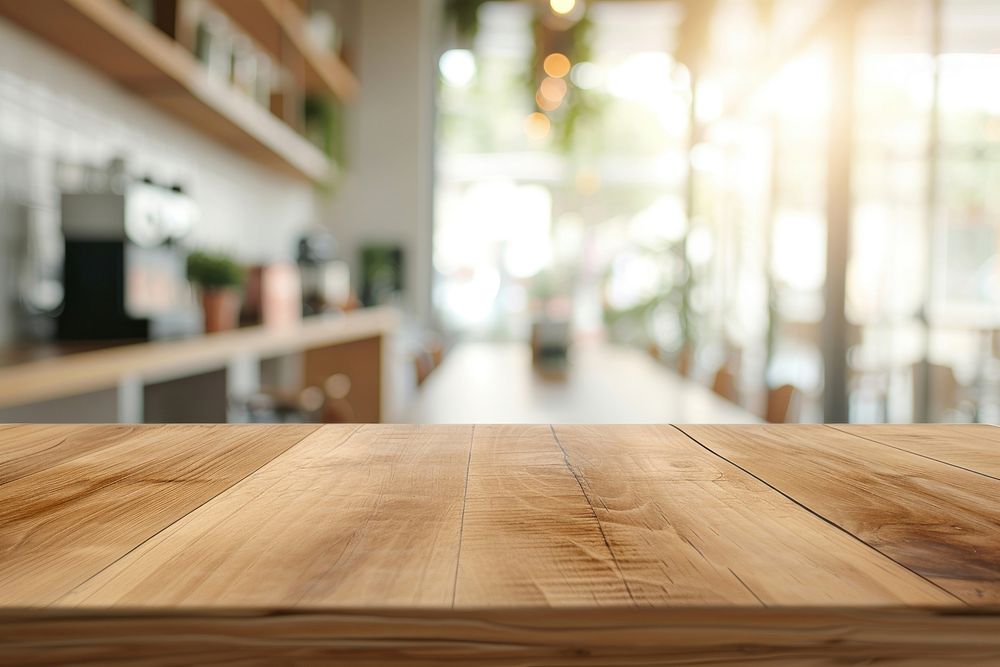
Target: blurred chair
[
  {"x": 336, "y": 405},
  {"x": 683, "y": 362},
  {"x": 427, "y": 359},
  {"x": 280, "y": 405},
  {"x": 681, "y": 359},
  {"x": 422, "y": 367},
  {"x": 780, "y": 405},
  {"x": 947, "y": 402},
  {"x": 724, "y": 384}
]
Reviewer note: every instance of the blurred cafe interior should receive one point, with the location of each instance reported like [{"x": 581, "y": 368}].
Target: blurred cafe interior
[{"x": 459, "y": 211}]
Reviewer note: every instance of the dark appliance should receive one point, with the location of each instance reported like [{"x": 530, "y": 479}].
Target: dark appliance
[{"x": 124, "y": 274}]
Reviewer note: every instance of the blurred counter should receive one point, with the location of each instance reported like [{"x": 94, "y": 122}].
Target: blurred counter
[{"x": 50, "y": 373}]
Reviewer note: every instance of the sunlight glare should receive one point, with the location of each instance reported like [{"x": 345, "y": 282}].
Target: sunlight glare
[
  {"x": 458, "y": 67},
  {"x": 562, "y": 7},
  {"x": 537, "y": 126},
  {"x": 556, "y": 65}
]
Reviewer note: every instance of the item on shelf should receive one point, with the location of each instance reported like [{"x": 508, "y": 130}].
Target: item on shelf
[
  {"x": 118, "y": 178},
  {"x": 213, "y": 44},
  {"x": 244, "y": 65},
  {"x": 323, "y": 125},
  {"x": 162, "y": 14},
  {"x": 264, "y": 84},
  {"x": 273, "y": 295},
  {"x": 123, "y": 273},
  {"x": 144, "y": 8},
  {"x": 323, "y": 30},
  {"x": 326, "y": 279},
  {"x": 231, "y": 55},
  {"x": 165, "y": 63},
  {"x": 381, "y": 274},
  {"x": 218, "y": 279}
]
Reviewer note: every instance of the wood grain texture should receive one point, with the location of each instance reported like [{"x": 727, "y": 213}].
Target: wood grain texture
[
  {"x": 530, "y": 536},
  {"x": 975, "y": 447},
  {"x": 62, "y": 525},
  {"x": 493, "y": 545},
  {"x": 351, "y": 516},
  {"x": 936, "y": 519},
  {"x": 25, "y": 448},
  {"x": 689, "y": 528},
  {"x": 731, "y": 636}
]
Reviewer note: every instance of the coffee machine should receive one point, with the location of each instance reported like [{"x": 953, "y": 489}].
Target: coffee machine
[
  {"x": 325, "y": 278},
  {"x": 124, "y": 272}
]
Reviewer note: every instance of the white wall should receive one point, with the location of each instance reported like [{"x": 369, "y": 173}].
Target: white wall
[
  {"x": 53, "y": 109},
  {"x": 386, "y": 194}
]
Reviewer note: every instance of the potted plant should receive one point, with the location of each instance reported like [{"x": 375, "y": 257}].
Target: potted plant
[{"x": 218, "y": 279}]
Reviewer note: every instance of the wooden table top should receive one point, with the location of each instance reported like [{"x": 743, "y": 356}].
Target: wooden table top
[
  {"x": 604, "y": 383},
  {"x": 500, "y": 544}
]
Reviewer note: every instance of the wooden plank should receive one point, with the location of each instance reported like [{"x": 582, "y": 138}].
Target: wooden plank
[
  {"x": 936, "y": 519},
  {"x": 29, "y": 448},
  {"x": 688, "y": 528},
  {"x": 529, "y": 536},
  {"x": 738, "y": 635},
  {"x": 975, "y": 447},
  {"x": 491, "y": 545},
  {"x": 349, "y": 517},
  {"x": 533, "y": 525},
  {"x": 63, "y": 524}
]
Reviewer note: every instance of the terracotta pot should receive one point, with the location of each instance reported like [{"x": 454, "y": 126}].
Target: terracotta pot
[{"x": 221, "y": 308}]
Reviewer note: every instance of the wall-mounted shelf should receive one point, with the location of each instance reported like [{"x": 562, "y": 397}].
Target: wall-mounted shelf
[
  {"x": 110, "y": 37},
  {"x": 279, "y": 26}
]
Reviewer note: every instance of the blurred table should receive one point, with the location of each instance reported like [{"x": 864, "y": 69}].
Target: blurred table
[{"x": 603, "y": 384}]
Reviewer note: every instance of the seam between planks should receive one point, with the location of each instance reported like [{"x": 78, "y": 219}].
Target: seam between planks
[
  {"x": 461, "y": 524},
  {"x": 198, "y": 507},
  {"x": 907, "y": 451},
  {"x": 818, "y": 515},
  {"x": 593, "y": 512},
  {"x": 745, "y": 585}
]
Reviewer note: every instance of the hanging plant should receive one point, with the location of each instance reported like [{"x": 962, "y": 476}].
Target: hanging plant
[
  {"x": 463, "y": 16},
  {"x": 561, "y": 42},
  {"x": 567, "y": 35}
]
